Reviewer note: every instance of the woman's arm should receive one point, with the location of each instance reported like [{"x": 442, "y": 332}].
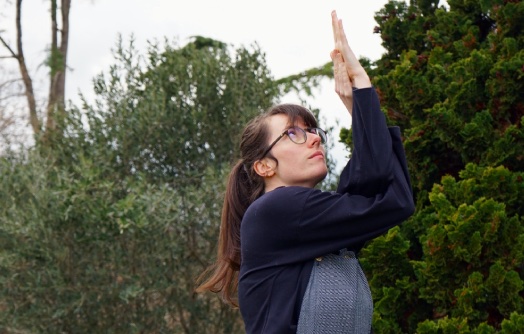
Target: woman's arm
[{"x": 369, "y": 171}]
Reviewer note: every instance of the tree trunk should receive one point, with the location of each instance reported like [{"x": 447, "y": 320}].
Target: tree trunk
[
  {"x": 57, "y": 67},
  {"x": 28, "y": 83},
  {"x": 58, "y": 63}
]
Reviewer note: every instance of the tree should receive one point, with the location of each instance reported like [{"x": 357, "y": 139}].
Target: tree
[
  {"x": 109, "y": 230},
  {"x": 57, "y": 63},
  {"x": 452, "y": 78}
]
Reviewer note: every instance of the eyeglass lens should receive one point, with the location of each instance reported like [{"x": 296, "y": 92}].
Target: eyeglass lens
[{"x": 299, "y": 136}]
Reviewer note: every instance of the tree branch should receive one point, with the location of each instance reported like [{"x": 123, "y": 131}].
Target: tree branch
[
  {"x": 8, "y": 82},
  {"x": 13, "y": 54}
]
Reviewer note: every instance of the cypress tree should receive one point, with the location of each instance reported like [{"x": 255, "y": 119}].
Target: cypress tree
[{"x": 452, "y": 79}]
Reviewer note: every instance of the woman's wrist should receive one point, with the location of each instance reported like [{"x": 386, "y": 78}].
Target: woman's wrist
[{"x": 361, "y": 79}]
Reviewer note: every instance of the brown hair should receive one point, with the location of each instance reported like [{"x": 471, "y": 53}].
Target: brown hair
[{"x": 244, "y": 186}]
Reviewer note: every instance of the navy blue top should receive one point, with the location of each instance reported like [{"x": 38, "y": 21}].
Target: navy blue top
[{"x": 284, "y": 230}]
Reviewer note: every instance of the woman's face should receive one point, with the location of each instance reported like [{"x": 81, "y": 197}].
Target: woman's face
[{"x": 298, "y": 164}]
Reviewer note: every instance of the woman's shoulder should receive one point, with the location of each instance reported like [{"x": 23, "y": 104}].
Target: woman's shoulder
[
  {"x": 288, "y": 193},
  {"x": 286, "y": 199}
]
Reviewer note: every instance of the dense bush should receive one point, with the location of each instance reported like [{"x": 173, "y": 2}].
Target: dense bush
[
  {"x": 82, "y": 253},
  {"x": 452, "y": 78}
]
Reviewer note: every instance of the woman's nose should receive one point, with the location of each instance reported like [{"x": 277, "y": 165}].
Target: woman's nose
[{"x": 314, "y": 139}]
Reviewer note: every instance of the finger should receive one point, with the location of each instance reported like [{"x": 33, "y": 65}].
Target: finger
[
  {"x": 345, "y": 79},
  {"x": 337, "y": 63},
  {"x": 352, "y": 63},
  {"x": 346, "y": 50},
  {"x": 337, "y": 36},
  {"x": 343, "y": 76},
  {"x": 342, "y": 39},
  {"x": 334, "y": 24},
  {"x": 335, "y": 56},
  {"x": 343, "y": 85}
]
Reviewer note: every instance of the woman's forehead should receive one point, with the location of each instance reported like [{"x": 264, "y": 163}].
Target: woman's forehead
[{"x": 280, "y": 122}]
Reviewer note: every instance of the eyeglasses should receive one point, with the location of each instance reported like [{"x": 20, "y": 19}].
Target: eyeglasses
[{"x": 298, "y": 136}]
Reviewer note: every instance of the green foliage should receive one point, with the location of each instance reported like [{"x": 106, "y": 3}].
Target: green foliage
[
  {"x": 474, "y": 250},
  {"x": 82, "y": 253},
  {"x": 107, "y": 230},
  {"x": 302, "y": 83},
  {"x": 468, "y": 273},
  {"x": 55, "y": 61},
  {"x": 452, "y": 79},
  {"x": 162, "y": 117},
  {"x": 514, "y": 324}
]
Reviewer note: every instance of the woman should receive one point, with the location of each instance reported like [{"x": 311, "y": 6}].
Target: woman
[{"x": 289, "y": 248}]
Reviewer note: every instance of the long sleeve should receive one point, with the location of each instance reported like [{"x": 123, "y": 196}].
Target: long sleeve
[{"x": 369, "y": 170}]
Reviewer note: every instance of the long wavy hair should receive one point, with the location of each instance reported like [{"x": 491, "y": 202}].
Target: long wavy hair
[{"x": 244, "y": 186}]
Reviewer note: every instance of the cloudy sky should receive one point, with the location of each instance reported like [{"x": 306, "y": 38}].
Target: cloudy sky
[{"x": 295, "y": 35}]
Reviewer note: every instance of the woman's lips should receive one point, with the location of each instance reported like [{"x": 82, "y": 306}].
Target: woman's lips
[{"x": 316, "y": 154}]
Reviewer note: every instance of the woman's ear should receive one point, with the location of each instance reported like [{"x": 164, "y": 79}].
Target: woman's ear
[{"x": 265, "y": 167}]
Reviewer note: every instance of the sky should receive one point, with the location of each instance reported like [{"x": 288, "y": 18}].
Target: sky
[{"x": 294, "y": 34}]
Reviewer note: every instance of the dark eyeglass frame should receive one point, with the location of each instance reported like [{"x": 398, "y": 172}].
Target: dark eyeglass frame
[{"x": 317, "y": 131}]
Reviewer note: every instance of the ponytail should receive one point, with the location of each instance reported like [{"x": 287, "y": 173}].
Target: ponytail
[{"x": 243, "y": 187}]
